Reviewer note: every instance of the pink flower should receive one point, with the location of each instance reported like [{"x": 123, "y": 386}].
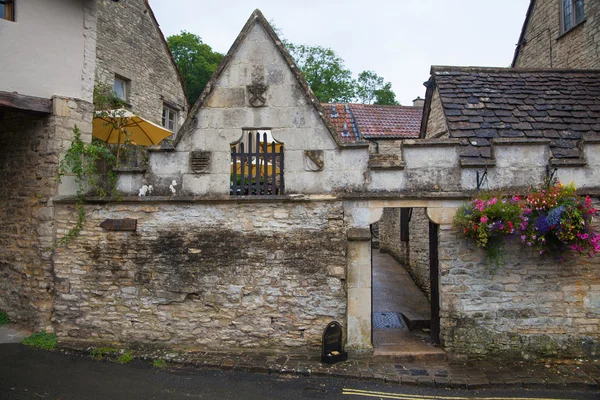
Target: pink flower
[{"x": 484, "y": 219}]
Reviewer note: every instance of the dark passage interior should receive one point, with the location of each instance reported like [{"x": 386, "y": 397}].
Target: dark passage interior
[{"x": 401, "y": 306}]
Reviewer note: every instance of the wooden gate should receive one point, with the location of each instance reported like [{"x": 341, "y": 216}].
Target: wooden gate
[{"x": 256, "y": 167}]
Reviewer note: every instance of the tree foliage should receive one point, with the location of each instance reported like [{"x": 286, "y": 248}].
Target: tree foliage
[
  {"x": 322, "y": 68},
  {"x": 332, "y": 82},
  {"x": 373, "y": 88},
  {"x": 196, "y": 62},
  {"x": 325, "y": 73}
]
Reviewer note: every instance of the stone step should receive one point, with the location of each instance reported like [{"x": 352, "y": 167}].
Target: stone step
[
  {"x": 416, "y": 322},
  {"x": 404, "y": 354}
]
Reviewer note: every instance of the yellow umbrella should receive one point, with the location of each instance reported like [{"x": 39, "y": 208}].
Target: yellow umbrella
[
  {"x": 248, "y": 170},
  {"x": 117, "y": 126}
]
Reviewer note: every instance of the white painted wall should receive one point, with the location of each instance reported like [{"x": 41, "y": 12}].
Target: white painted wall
[{"x": 42, "y": 52}]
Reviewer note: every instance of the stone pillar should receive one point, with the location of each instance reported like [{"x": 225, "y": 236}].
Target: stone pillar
[
  {"x": 358, "y": 217},
  {"x": 359, "y": 290}
]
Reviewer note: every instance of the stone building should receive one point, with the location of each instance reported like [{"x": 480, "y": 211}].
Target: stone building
[
  {"x": 217, "y": 262},
  {"x": 511, "y": 128},
  {"x": 45, "y": 89},
  {"x": 234, "y": 259},
  {"x": 560, "y": 34},
  {"x": 133, "y": 57}
]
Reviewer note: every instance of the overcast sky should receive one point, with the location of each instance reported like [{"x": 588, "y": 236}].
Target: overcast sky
[{"x": 398, "y": 39}]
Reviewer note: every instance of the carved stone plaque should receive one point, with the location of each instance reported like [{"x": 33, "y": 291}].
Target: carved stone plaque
[
  {"x": 315, "y": 160},
  {"x": 127, "y": 224},
  {"x": 257, "y": 91},
  {"x": 199, "y": 161}
]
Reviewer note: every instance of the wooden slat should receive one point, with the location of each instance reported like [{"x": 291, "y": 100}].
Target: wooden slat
[
  {"x": 23, "y": 102},
  {"x": 257, "y": 160},
  {"x": 243, "y": 172},
  {"x": 234, "y": 159},
  {"x": 281, "y": 181}
]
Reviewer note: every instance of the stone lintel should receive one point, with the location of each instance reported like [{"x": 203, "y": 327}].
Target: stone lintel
[
  {"x": 568, "y": 162},
  {"x": 359, "y": 234},
  {"x": 477, "y": 163}
]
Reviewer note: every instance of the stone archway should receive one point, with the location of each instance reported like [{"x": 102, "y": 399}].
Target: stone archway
[{"x": 359, "y": 215}]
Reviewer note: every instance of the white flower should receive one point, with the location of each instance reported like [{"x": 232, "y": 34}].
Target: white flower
[
  {"x": 150, "y": 188},
  {"x": 174, "y": 183},
  {"x": 172, "y": 189},
  {"x": 143, "y": 191}
]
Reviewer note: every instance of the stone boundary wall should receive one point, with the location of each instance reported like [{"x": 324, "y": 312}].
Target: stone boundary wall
[
  {"x": 533, "y": 306},
  {"x": 30, "y": 147},
  {"x": 418, "y": 250},
  {"x": 389, "y": 235},
  {"x": 221, "y": 276}
]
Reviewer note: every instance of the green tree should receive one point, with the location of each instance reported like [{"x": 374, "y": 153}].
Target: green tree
[
  {"x": 196, "y": 62},
  {"x": 372, "y": 87},
  {"x": 386, "y": 95},
  {"x": 325, "y": 73}
]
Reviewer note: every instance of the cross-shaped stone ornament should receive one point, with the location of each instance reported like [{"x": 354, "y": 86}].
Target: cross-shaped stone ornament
[{"x": 256, "y": 94}]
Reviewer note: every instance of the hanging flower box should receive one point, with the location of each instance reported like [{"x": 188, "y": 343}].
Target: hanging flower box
[{"x": 551, "y": 219}]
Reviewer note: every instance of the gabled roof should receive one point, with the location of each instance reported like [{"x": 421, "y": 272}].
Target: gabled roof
[
  {"x": 168, "y": 50},
  {"x": 372, "y": 121},
  {"x": 484, "y": 103},
  {"x": 521, "y": 42},
  {"x": 258, "y": 18}
]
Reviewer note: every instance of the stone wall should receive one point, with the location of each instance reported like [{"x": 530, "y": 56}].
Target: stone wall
[
  {"x": 533, "y": 306},
  {"x": 418, "y": 249},
  {"x": 414, "y": 254},
  {"x": 30, "y": 147},
  {"x": 437, "y": 126},
  {"x": 131, "y": 45},
  {"x": 545, "y": 47},
  {"x": 228, "y": 276},
  {"x": 389, "y": 235}
]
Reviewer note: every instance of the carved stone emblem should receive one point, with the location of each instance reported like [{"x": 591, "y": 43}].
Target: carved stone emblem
[
  {"x": 315, "y": 161},
  {"x": 257, "y": 91},
  {"x": 199, "y": 161}
]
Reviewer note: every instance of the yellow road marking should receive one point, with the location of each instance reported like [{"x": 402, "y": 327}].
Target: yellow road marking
[{"x": 389, "y": 395}]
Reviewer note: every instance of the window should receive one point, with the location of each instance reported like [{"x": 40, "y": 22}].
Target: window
[
  {"x": 120, "y": 87},
  {"x": 7, "y": 10},
  {"x": 572, "y": 14},
  {"x": 169, "y": 118}
]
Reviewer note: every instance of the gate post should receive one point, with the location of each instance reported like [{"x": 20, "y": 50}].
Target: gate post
[{"x": 358, "y": 218}]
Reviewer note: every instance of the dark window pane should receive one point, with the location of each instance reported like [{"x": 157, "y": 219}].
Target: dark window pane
[
  {"x": 579, "y": 11},
  {"x": 567, "y": 14}
]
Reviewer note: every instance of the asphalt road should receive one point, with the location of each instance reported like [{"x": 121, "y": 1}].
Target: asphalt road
[{"x": 33, "y": 374}]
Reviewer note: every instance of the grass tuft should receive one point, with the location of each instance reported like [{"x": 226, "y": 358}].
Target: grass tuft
[
  {"x": 41, "y": 340},
  {"x": 125, "y": 358},
  {"x": 101, "y": 352},
  {"x": 159, "y": 363},
  {"x": 4, "y": 318}
]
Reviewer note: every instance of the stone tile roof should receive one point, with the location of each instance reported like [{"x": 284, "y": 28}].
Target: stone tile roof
[
  {"x": 371, "y": 121},
  {"x": 485, "y": 103}
]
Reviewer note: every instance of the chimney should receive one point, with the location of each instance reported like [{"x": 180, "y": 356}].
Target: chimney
[{"x": 419, "y": 102}]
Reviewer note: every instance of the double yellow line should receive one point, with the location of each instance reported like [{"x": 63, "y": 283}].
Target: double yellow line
[{"x": 402, "y": 396}]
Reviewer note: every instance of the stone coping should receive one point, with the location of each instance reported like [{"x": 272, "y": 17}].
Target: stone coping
[
  {"x": 413, "y": 371},
  {"x": 354, "y": 196}
]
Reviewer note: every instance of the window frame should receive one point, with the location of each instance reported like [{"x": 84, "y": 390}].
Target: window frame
[
  {"x": 126, "y": 83},
  {"x": 164, "y": 122},
  {"x": 573, "y": 21},
  {"x": 9, "y": 10}
]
